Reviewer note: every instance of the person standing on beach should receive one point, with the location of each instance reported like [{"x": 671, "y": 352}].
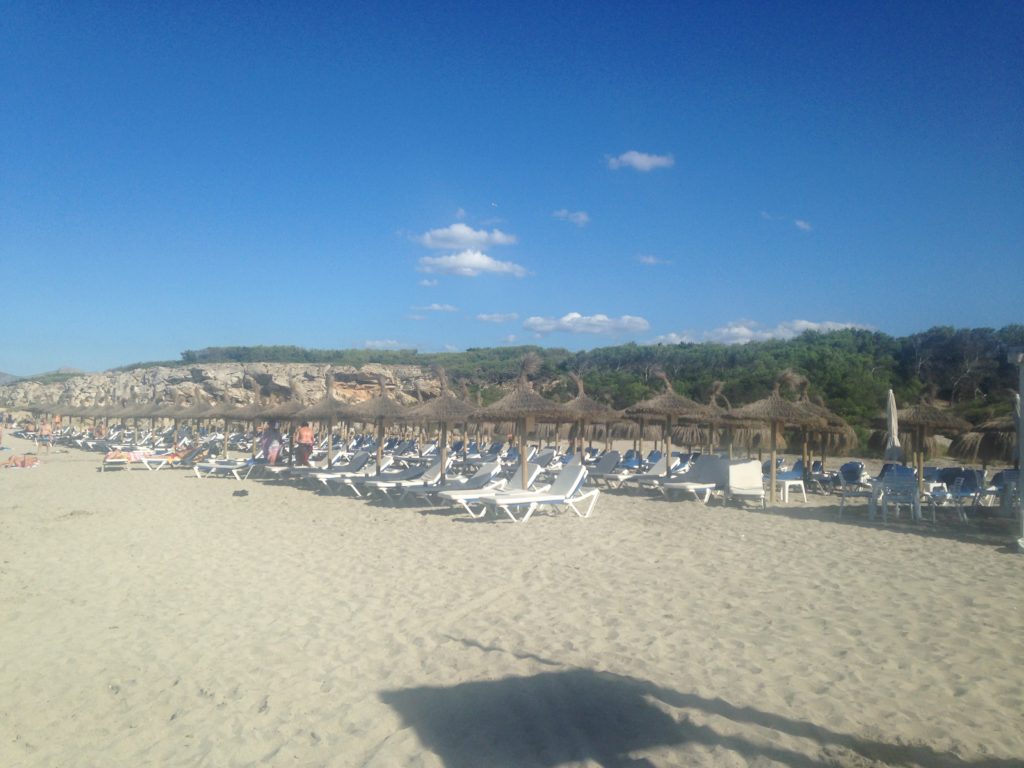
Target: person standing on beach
[
  {"x": 304, "y": 440},
  {"x": 270, "y": 442},
  {"x": 45, "y": 435}
]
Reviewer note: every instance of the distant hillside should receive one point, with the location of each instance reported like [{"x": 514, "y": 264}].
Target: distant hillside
[
  {"x": 7, "y": 378},
  {"x": 851, "y": 370}
]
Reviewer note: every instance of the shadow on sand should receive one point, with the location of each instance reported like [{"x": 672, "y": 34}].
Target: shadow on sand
[
  {"x": 989, "y": 530},
  {"x": 552, "y": 718}
]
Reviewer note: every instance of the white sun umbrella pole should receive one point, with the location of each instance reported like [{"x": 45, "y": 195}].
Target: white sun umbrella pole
[{"x": 893, "y": 451}]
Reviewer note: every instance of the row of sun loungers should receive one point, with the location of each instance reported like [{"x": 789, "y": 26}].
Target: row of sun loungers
[{"x": 480, "y": 482}]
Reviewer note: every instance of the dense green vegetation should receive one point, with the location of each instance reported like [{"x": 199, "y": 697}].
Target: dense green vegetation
[{"x": 850, "y": 369}]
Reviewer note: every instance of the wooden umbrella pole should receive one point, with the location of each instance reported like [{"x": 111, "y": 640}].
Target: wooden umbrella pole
[
  {"x": 772, "y": 470},
  {"x": 668, "y": 447},
  {"x": 380, "y": 443},
  {"x": 921, "y": 460},
  {"x": 521, "y": 425},
  {"x": 330, "y": 441},
  {"x": 444, "y": 449}
]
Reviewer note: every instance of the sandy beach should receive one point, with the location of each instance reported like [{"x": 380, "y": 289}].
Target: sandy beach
[{"x": 155, "y": 619}]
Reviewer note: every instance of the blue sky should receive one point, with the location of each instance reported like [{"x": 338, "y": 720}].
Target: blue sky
[{"x": 337, "y": 175}]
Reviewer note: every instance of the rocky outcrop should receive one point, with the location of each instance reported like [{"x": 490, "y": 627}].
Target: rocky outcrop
[{"x": 235, "y": 383}]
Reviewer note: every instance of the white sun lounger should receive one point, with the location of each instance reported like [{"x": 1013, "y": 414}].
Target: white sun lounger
[
  {"x": 337, "y": 481},
  {"x": 707, "y": 474},
  {"x": 746, "y": 482},
  {"x": 566, "y": 491},
  {"x": 482, "y": 479},
  {"x": 467, "y": 499},
  {"x": 237, "y": 469},
  {"x": 418, "y": 476},
  {"x": 604, "y": 470}
]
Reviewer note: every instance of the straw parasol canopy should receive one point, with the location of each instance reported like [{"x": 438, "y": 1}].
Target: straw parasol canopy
[
  {"x": 719, "y": 407},
  {"x": 777, "y": 411},
  {"x": 926, "y": 418},
  {"x": 755, "y": 436},
  {"x": 326, "y": 409},
  {"x": 524, "y": 406},
  {"x": 834, "y": 432},
  {"x": 584, "y": 409},
  {"x": 991, "y": 441},
  {"x": 670, "y": 407},
  {"x": 378, "y": 410},
  {"x": 445, "y": 409}
]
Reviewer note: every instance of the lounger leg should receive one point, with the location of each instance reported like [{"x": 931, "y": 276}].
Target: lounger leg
[
  {"x": 483, "y": 510},
  {"x": 592, "y": 496},
  {"x": 529, "y": 512}
]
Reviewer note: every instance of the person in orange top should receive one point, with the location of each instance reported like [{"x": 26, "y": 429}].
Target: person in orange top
[{"x": 304, "y": 442}]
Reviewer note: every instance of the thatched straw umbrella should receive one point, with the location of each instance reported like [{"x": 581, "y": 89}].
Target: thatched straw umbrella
[
  {"x": 670, "y": 407},
  {"x": 586, "y": 410},
  {"x": 638, "y": 430},
  {"x": 925, "y": 418},
  {"x": 170, "y": 411},
  {"x": 326, "y": 409},
  {"x": 251, "y": 415},
  {"x": 287, "y": 411},
  {"x": 991, "y": 441},
  {"x": 224, "y": 410},
  {"x": 835, "y": 429},
  {"x": 464, "y": 387},
  {"x": 755, "y": 436},
  {"x": 988, "y": 447},
  {"x": 200, "y": 409},
  {"x": 776, "y": 411},
  {"x": 719, "y": 407},
  {"x": 379, "y": 410},
  {"x": 524, "y": 406},
  {"x": 444, "y": 409}
]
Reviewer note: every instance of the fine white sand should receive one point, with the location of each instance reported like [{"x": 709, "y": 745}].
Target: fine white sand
[{"x": 154, "y": 619}]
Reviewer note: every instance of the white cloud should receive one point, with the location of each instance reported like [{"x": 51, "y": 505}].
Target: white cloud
[
  {"x": 461, "y": 235},
  {"x": 640, "y": 161},
  {"x": 673, "y": 338},
  {"x": 380, "y": 344},
  {"x": 437, "y": 308},
  {"x": 574, "y": 322},
  {"x": 801, "y": 224},
  {"x": 743, "y": 331},
  {"x": 428, "y": 283},
  {"x": 579, "y": 218},
  {"x": 460, "y": 214},
  {"x": 511, "y": 338},
  {"x": 651, "y": 261},
  {"x": 498, "y": 317},
  {"x": 767, "y": 216},
  {"x": 469, "y": 263}
]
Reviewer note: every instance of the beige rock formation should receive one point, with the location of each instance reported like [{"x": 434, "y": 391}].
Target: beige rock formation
[{"x": 231, "y": 382}]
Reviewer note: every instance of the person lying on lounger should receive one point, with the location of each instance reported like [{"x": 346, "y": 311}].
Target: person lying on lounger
[{"x": 22, "y": 462}]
